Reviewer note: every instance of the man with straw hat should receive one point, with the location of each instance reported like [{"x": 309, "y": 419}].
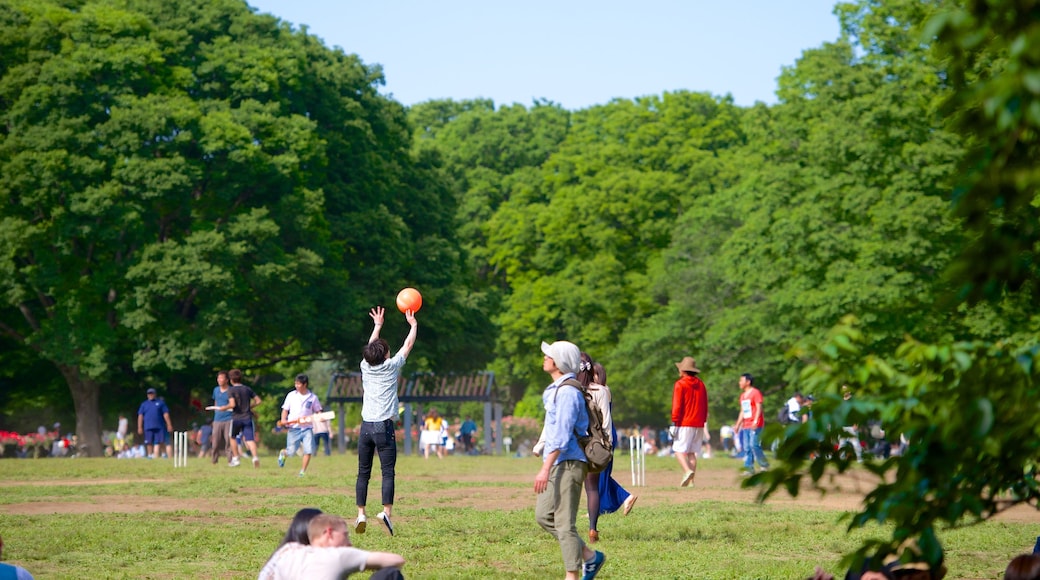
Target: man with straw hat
[{"x": 689, "y": 413}]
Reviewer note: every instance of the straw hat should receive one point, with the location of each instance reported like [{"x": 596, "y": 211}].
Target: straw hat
[{"x": 687, "y": 364}]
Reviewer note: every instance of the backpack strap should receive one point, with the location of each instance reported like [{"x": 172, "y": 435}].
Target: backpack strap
[
  {"x": 569, "y": 382},
  {"x": 585, "y": 402}
]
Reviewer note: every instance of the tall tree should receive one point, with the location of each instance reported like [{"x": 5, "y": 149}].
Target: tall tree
[
  {"x": 188, "y": 185},
  {"x": 576, "y": 249},
  {"x": 967, "y": 407},
  {"x": 841, "y": 207}
]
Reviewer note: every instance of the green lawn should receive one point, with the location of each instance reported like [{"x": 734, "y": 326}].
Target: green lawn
[{"x": 462, "y": 517}]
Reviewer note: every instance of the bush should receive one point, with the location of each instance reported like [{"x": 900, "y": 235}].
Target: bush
[{"x": 521, "y": 428}]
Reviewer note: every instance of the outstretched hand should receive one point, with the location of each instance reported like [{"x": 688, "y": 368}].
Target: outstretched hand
[
  {"x": 410, "y": 317},
  {"x": 377, "y": 314}
]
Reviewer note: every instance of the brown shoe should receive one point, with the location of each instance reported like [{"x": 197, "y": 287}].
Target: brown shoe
[
  {"x": 627, "y": 506},
  {"x": 593, "y": 536}
]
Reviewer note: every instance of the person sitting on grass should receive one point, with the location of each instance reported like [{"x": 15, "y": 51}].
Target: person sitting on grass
[
  {"x": 330, "y": 555},
  {"x": 297, "y": 533}
]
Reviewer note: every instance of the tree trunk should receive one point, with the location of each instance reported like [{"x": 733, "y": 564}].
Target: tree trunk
[
  {"x": 178, "y": 399},
  {"x": 85, "y": 396}
]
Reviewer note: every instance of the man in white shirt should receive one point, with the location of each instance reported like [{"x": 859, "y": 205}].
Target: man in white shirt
[
  {"x": 330, "y": 556},
  {"x": 794, "y": 408},
  {"x": 299, "y": 405}
]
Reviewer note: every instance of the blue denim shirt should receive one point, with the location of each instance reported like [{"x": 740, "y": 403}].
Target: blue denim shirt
[{"x": 564, "y": 414}]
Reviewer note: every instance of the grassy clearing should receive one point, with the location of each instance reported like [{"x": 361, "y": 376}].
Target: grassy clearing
[{"x": 463, "y": 517}]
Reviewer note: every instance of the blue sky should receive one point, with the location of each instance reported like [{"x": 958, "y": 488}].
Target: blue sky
[{"x": 576, "y": 53}]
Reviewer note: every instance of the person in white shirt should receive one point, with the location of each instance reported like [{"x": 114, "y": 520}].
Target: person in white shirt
[
  {"x": 380, "y": 373},
  {"x": 794, "y": 408},
  {"x": 297, "y": 409},
  {"x": 330, "y": 556}
]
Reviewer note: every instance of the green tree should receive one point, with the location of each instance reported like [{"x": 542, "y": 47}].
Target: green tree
[
  {"x": 841, "y": 207},
  {"x": 576, "y": 249},
  {"x": 967, "y": 407},
  {"x": 194, "y": 185}
]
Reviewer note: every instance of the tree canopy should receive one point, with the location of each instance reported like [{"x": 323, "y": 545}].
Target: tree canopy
[{"x": 193, "y": 186}]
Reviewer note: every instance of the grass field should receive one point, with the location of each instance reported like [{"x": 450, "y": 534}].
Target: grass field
[{"x": 461, "y": 517}]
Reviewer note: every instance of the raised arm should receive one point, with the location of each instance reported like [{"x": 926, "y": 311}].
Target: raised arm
[
  {"x": 409, "y": 341},
  {"x": 377, "y": 317}
]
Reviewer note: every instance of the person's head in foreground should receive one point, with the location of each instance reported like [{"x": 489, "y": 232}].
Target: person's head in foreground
[{"x": 908, "y": 563}]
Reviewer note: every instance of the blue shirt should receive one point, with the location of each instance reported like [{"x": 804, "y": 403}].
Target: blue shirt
[
  {"x": 468, "y": 426},
  {"x": 221, "y": 400},
  {"x": 564, "y": 415},
  {"x": 153, "y": 411},
  {"x": 12, "y": 572}
]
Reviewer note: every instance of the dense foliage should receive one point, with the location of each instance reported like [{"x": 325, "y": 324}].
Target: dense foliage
[{"x": 190, "y": 186}]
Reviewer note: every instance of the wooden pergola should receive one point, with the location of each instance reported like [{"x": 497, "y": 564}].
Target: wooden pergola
[{"x": 422, "y": 389}]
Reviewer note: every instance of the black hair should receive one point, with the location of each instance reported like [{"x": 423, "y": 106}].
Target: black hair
[
  {"x": 302, "y": 378},
  {"x": 600, "y": 372},
  {"x": 750, "y": 379},
  {"x": 375, "y": 352},
  {"x": 297, "y": 531},
  {"x": 585, "y": 376}
]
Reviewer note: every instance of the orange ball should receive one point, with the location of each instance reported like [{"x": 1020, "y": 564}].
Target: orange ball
[{"x": 409, "y": 299}]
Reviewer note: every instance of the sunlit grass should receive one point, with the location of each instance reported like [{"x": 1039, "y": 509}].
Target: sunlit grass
[{"x": 463, "y": 517}]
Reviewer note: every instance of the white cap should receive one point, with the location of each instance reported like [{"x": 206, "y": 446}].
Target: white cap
[{"x": 566, "y": 355}]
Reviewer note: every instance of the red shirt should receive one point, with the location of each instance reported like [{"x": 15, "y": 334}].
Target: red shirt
[
  {"x": 750, "y": 406},
  {"x": 689, "y": 402}
]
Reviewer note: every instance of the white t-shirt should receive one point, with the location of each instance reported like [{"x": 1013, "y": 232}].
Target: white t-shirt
[
  {"x": 793, "y": 409},
  {"x": 380, "y": 385},
  {"x": 295, "y": 561},
  {"x": 301, "y": 406}
]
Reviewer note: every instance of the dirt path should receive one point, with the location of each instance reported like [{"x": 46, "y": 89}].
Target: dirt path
[{"x": 845, "y": 494}]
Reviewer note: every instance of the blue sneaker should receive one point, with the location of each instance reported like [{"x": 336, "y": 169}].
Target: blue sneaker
[
  {"x": 590, "y": 569},
  {"x": 281, "y": 458}
]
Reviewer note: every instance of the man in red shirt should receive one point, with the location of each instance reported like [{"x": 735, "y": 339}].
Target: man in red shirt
[
  {"x": 689, "y": 412},
  {"x": 750, "y": 424}
]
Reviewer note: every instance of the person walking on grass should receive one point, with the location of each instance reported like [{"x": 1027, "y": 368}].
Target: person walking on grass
[
  {"x": 750, "y": 422},
  {"x": 321, "y": 432},
  {"x": 689, "y": 413},
  {"x": 467, "y": 430},
  {"x": 242, "y": 399},
  {"x": 223, "y": 442},
  {"x": 564, "y": 467},
  {"x": 433, "y": 425},
  {"x": 603, "y": 495},
  {"x": 299, "y": 404},
  {"x": 379, "y": 377}
]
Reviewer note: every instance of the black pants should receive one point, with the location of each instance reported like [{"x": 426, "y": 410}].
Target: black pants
[
  {"x": 375, "y": 438},
  {"x": 387, "y": 574}
]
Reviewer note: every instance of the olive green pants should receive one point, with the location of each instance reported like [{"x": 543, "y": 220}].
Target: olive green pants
[{"x": 556, "y": 509}]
